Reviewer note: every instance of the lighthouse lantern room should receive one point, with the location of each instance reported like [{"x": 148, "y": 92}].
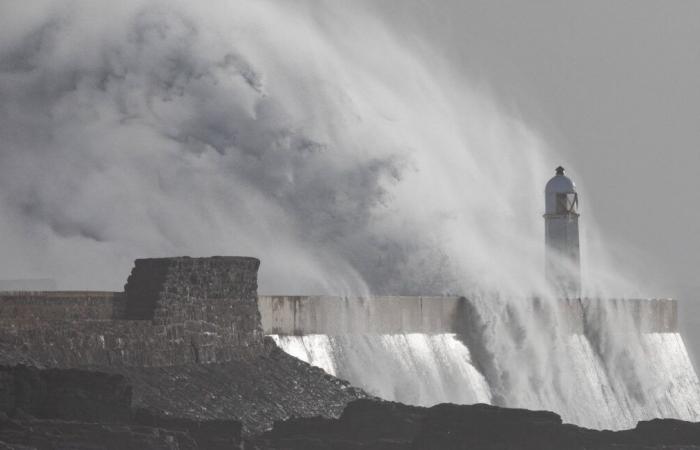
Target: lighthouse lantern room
[{"x": 562, "y": 254}]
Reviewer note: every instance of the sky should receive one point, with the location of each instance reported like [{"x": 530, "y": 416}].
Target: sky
[{"x": 615, "y": 88}]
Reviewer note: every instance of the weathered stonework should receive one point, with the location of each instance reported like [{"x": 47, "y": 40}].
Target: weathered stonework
[
  {"x": 185, "y": 337},
  {"x": 211, "y": 297},
  {"x": 174, "y": 311},
  {"x": 27, "y": 306}
]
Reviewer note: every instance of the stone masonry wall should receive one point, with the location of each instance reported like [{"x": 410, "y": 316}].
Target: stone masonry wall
[
  {"x": 61, "y": 305},
  {"x": 177, "y": 310},
  {"x": 214, "y": 299},
  {"x": 218, "y": 290}
]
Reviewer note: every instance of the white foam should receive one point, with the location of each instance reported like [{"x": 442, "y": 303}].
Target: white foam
[
  {"x": 418, "y": 369},
  {"x": 653, "y": 378}
]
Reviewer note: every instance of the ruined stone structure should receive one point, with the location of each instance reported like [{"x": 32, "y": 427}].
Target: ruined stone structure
[
  {"x": 173, "y": 311},
  {"x": 185, "y": 336}
]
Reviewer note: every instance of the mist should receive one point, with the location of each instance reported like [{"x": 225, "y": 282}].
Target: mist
[{"x": 348, "y": 158}]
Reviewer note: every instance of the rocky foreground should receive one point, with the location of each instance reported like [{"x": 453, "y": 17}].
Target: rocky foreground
[
  {"x": 81, "y": 409},
  {"x": 198, "y": 406},
  {"x": 374, "y": 424}
]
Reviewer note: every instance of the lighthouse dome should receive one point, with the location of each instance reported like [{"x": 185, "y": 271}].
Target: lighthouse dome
[
  {"x": 560, "y": 194},
  {"x": 560, "y": 183}
]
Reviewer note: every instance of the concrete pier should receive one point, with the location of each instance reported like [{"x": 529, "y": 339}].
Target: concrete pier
[{"x": 300, "y": 315}]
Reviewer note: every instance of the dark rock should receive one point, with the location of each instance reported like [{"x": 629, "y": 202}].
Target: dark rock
[
  {"x": 196, "y": 406},
  {"x": 58, "y": 434},
  {"x": 211, "y": 434},
  {"x": 6, "y": 446},
  {"x": 253, "y": 390},
  {"x": 70, "y": 394},
  {"x": 374, "y": 424}
]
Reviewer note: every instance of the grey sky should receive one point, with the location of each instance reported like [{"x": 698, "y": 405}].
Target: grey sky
[{"x": 615, "y": 88}]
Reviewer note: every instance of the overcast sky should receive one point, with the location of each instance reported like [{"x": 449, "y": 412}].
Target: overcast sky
[{"x": 615, "y": 88}]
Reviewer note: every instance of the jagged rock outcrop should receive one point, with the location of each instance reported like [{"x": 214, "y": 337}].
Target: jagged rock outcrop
[
  {"x": 68, "y": 394},
  {"x": 375, "y": 424},
  {"x": 253, "y": 390},
  {"x": 365, "y": 424},
  {"x": 206, "y": 406},
  {"x": 72, "y": 408},
  {"x": 60, "y": 434}
]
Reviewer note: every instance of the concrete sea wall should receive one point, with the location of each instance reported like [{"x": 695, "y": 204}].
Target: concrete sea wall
[
  {"x": 301, "y": 315},
  {"x": 598, "y": 363},
  {"x": 298, "y": 315}
]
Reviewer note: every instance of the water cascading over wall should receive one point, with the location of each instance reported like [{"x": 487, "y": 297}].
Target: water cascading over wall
[{"x": 602, "y": 364}]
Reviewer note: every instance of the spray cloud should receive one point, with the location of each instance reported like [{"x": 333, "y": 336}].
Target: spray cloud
[{"x": 347, "y": 159}]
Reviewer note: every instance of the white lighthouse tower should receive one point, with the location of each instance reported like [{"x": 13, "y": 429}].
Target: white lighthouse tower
[{"x": 562, "y": 255}]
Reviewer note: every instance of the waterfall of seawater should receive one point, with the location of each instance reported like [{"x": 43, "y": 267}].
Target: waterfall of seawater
[
  {"x": 426, "y": 369},
  {"x": 418, "y": 369}
]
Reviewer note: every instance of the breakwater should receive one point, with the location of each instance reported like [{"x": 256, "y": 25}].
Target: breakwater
[
  {"x": 304, "y": 315},
  {"x": 625, "y": 357}
]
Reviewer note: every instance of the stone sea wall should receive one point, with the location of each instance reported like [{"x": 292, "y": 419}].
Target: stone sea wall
[
  {"x": 28, "y": 306},
  {"x": 174, "y": 311},
  {"x": 112, "y": 343}
]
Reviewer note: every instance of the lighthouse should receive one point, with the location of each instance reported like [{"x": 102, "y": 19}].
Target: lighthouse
[{"x": 562, "y": 255}]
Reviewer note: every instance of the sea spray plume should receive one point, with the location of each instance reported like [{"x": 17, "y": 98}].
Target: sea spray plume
[
  {"x": 609, "y": 370},
  {"x": 644, "y": 367},
  {"x": 347, "y": 160}
]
